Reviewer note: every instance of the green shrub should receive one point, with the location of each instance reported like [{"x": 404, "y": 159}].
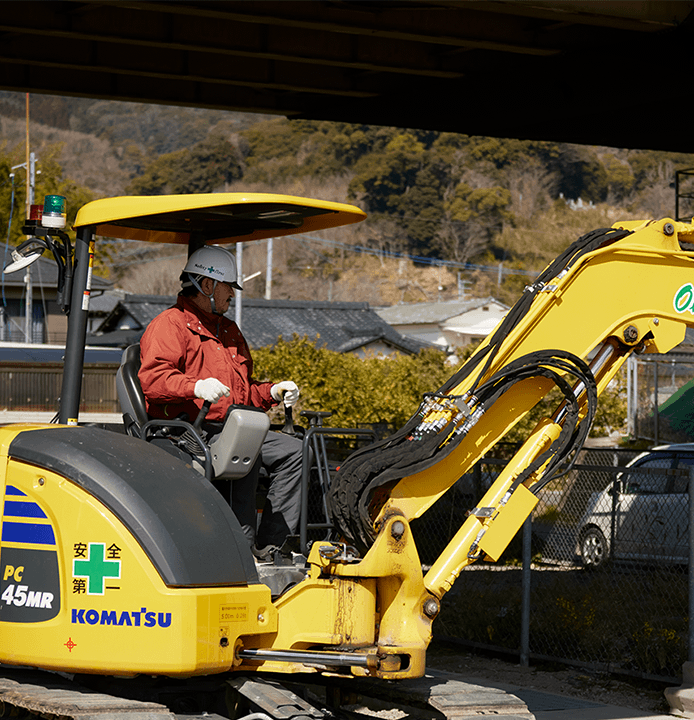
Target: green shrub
[{"x": 356, "y": 391}]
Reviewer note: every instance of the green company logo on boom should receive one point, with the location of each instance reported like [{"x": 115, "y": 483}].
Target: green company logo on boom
[{"x": 684, "y": 299}]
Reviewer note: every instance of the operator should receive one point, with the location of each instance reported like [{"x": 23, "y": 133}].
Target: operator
[{"x": 191, "y": 353}]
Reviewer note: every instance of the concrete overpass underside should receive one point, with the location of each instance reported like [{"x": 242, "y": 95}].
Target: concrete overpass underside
[{"x": 596, "y": 72}]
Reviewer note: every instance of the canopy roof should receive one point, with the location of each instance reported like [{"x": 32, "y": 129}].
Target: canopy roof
[{"x": 213, "y": 217}]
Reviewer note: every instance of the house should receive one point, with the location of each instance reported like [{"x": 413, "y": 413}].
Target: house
[
  {"x": 450, "y": 324},
  {"x": 100, "y": 305},
  {"x": 48, "y": 322},
  {"x": 342, "y": 327}
]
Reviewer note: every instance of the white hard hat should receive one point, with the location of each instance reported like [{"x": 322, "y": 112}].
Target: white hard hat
[{"x": 213, "y": 262}]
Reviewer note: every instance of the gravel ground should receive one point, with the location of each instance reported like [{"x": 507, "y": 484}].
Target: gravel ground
[{"x": 557, "y": 679}]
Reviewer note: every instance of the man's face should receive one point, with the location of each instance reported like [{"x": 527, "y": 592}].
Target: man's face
[{"x": 222, "y": 297}]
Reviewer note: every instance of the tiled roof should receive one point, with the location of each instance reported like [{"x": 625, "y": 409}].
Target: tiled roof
[
  {"x": 144, "y": 308},
  {"x": 342, "y": 327},
  {"x": 434, "y": 312},
  {"x": 101, "y": 303}
]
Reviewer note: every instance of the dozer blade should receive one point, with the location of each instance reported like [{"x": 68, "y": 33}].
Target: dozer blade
[{"x": 274, "y": 700}]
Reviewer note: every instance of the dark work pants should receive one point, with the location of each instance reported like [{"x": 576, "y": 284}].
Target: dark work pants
[{"x": 280, "y": 455}]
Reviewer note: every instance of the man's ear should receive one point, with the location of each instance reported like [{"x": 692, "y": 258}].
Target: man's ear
[{"x": 207, "y": 284}]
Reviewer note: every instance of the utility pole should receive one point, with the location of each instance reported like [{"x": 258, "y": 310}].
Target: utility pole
[
  {"x": 31, "y": 184},
  {"x": 462, "y": 284},
  {"x": 237, "y": 293},
  {"x": 268, "y": 271},
  {"x": 29, "y": 300}
]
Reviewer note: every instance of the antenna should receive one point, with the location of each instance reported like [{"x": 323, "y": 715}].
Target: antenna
[{"x": 30, "y": 175}]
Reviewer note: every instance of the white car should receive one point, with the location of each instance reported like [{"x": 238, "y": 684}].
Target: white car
[{"x": 644, "y": 514}]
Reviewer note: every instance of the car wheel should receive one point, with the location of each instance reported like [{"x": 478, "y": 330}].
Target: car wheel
[{"x": 593, "y": 547}]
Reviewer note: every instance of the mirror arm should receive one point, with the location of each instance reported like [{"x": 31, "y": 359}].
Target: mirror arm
[{"x": 62, "y": 254}]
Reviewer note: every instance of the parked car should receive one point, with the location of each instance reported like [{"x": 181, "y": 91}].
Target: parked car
[{"x": 644, "y": 514}]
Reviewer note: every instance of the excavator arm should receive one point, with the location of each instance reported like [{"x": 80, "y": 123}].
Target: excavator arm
[{"x": 629, "y": 288}]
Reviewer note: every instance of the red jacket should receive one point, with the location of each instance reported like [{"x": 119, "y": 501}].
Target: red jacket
[{"x": 185, "y": 344}]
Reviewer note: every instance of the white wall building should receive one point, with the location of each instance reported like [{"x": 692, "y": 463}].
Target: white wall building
[{"x": 449, "y": 325}]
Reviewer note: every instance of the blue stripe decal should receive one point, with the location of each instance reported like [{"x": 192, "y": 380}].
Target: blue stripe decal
[
  {"x": 28, "y": 533},
  {"x": 14, "y": 508},
  {"x": 11, "y": 490}
]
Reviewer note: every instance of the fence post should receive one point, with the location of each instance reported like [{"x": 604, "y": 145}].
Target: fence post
[
  {"x": 525, "y": 590},
  {"x": 632, "y": 398},
  {"x": 656, "y": 419},
  {"x": 690, "y": 648}
]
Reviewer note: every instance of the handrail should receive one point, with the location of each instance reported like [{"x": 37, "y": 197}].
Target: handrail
[{"x": 321, "y": 456}]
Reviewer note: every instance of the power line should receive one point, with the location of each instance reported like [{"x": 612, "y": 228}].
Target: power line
[{"x": 419, "y": 259}]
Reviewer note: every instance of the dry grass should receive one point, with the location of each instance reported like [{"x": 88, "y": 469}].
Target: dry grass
[{"x": 84, "y": 158}]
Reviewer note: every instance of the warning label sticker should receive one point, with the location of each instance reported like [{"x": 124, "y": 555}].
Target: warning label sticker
[{"x": 233, "y": 613}]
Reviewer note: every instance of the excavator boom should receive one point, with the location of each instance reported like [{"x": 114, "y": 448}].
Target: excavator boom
[{"x": 615, "y": 291}]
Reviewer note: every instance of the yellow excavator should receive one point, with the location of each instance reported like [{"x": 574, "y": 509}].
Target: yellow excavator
[{"x": 122, "y": 567}]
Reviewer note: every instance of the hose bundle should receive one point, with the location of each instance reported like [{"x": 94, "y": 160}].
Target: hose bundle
[{"x": 362, "y": 485}]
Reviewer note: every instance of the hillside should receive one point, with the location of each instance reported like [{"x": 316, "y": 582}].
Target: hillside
[{"x": 483, "y": 215}]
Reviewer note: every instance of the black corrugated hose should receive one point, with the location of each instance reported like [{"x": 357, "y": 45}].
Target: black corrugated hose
[{"x": 362, "y": 485}]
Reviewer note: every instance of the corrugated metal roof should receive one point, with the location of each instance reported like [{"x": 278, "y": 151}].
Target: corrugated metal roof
[
  {"x": 435, "y": 312},
  {"x": 337, "y": 326}
]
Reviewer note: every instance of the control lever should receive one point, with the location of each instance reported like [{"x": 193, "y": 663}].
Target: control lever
[
  {"x": 288, "y": 428},
  {"x": 202, "y": 415}
]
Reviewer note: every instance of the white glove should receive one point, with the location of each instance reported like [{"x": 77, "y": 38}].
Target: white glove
[
  {"x": 286, "y": 391},
  {"x": 210, "y": 390}
]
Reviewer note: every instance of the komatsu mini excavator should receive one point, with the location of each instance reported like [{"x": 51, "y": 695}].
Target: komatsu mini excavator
[{"x": 122, "y": 569}]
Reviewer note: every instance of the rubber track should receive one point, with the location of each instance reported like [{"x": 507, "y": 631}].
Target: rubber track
[
  {"x": 454, "y": 699},
  {"x": 51, "y": 696}
]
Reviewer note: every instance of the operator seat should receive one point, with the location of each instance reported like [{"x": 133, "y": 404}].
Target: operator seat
[{"x": 130, "y": 395}]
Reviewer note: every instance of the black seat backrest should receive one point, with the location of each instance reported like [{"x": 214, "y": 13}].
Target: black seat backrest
[{"x": 130, "y": 395}]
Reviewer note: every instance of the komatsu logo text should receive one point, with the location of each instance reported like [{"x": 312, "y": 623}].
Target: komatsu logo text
[{"x": 133, "y": 618}]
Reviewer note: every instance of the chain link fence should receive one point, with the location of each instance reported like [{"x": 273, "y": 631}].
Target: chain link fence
[
  {"x": 660, "y": 398},
  {"x": 608, "y": 575}
]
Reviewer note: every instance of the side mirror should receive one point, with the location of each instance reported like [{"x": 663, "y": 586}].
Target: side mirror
[{"x": 25, "y": 254}]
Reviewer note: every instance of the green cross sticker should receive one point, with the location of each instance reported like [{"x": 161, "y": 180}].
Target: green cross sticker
[{"x": 96, "y": 568}]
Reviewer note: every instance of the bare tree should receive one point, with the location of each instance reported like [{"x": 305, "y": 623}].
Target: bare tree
[
  {"x": 159, "y": 276},
  {"x": 532, "y": 188},
  {"x": 657, "y": 199},
  {"x": 460, "y": 241}
]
